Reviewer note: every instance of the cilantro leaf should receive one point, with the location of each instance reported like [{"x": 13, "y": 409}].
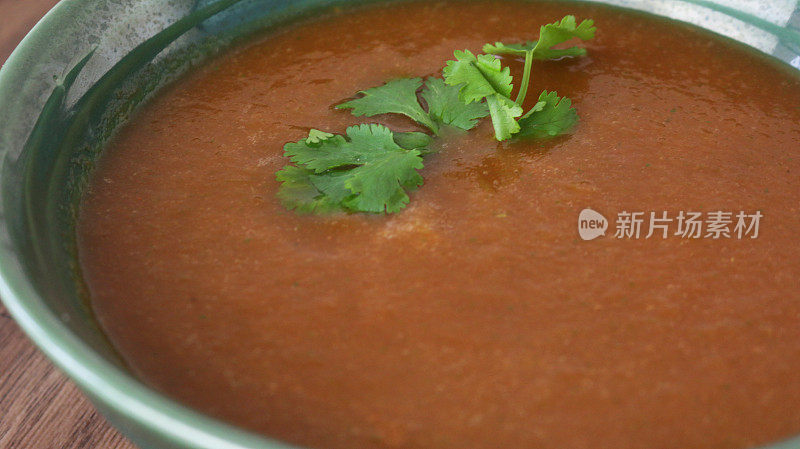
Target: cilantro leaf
[
  {"x": 380, "y": 184},
  {"x": 365, "y": 172},
  {"x": 400, "y": 96},
  {"x": 317, "y": 136},
  {"x": 562, "y": 31},
  {"x": 319, "y": 156},
  {"x": 397, "y": 96},
  {"x": 445, "y": 106},
  {"x": 413, "y": 141},
  {"x": 365, "y": 141},
  {"x": 499, "y": 48},
  {"x": 549, "y": 35},
  {"x": 552, "y": 116},
  {"x": 331, "y": 184},
  {"x": 299, "y": 193},
  {"x": 504, "y": 113},
  {"x": 478, "y": 77},
  {"x": 484, "y": 77}
]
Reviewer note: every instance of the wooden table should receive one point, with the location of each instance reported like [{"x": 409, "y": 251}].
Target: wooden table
[{"x": 39, "y": 407}]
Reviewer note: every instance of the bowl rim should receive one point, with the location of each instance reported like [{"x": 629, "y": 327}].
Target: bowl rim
[{"x": 107, "y": 385}]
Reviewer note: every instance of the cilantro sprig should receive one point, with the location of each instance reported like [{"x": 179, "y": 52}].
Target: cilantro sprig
[
  {"x": 372, "y": 169},
  {"x": 483, "y": 77}
]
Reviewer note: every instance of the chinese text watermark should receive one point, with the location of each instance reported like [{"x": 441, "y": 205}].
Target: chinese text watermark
[{"x": 683, "y": 224}]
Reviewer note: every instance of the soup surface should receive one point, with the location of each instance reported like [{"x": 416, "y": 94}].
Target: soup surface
[{"x": 476, "y": 317}]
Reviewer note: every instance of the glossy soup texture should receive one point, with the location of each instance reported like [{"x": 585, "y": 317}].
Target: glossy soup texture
[{"x": 476, "y": 317}]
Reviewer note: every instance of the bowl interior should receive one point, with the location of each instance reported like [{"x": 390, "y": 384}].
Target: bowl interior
[{"x": 79, "y": 75}]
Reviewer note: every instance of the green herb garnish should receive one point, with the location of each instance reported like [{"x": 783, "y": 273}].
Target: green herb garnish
[
  {"x": 552, "y": 115},
  {"x": 483, "y": 76},
  {"x": 400, "y": 97},
  {"x": 366, "y": 172},
  {"x": 372, "y": 169},
  {"x": 397, "y": 96}
]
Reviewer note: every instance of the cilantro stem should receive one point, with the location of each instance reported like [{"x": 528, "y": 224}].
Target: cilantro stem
[{"x": 526, "y": 78}]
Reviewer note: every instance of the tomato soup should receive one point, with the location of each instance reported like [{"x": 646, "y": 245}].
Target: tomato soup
[{"x": 477, "y": 317}]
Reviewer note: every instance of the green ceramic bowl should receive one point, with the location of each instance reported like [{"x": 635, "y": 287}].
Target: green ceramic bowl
[{"x": 76, "y": 77}]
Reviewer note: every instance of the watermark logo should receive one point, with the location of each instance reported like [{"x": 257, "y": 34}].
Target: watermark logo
[
  {"x": 685, "y": 224},
  {"x": 591, "y": 224}
]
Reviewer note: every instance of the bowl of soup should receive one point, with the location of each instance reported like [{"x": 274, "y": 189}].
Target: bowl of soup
[{"x": 625, "y": 278}]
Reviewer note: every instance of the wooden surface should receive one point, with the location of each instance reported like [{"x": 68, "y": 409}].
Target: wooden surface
[{"x": 39, "y": 407}]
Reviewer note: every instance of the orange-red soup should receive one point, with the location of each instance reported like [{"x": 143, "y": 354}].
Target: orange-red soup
[{"x": 476, "y": 317}]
